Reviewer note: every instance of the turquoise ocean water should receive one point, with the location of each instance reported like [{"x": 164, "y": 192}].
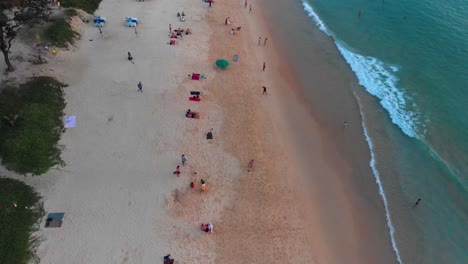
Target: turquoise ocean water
[{"x": 412, "y": 56}]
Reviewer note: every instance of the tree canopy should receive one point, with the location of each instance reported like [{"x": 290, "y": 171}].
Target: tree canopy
[{"x": 14, "y": 14}]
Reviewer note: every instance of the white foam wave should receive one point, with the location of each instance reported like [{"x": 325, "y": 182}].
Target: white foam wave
[
  {"x": 315, "y": 17},
  {"x": 382, "y": 194},
  {"x": 379, "y": 81}
]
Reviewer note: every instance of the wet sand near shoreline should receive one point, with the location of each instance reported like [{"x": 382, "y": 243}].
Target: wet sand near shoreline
[{"x": 301, "y": 203}]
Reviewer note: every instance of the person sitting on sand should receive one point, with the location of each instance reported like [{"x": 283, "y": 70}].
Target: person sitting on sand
[
  {"x": 188, "y": 31},
  {"x": 130, "y": 56},
  {"x": 208, "y": 228},
  {"x": 232, "y": 31},
  {"x": 239, "y": 28},
  {"x": 188, "y": 113},
  {"x": 183, "y": 14},
  {"x": 167, "y": 259},
  {"x": 250, "y": 166},
  {"x": 178, "y": 14}
]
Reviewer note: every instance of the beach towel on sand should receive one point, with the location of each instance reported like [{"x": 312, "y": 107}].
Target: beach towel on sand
[
  {"x": 195, "y": 99},
  {"x": 196, "y": 76}
]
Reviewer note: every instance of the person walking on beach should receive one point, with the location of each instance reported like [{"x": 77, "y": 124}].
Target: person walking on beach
[
  {"x": 245, "y": 4},
  {"x": 345, "y": 124},
  {"x": 264, "y": 42},
  {"x": 264, "y": 90},
  {"x": 259, "y": 40},
  {"x": 250, "y": 8},
  {"x": 250, "y": 165},
  {"x": 264, "y": 66},
  {"x": 136, "y": 32},
  {"x": 177, "y": 171},
  {"x": 184, "y": 159},
  {"x": 170, "y": 28},
  {"x": 100, "y": 31},
  {"x": 140, "y": 87}
]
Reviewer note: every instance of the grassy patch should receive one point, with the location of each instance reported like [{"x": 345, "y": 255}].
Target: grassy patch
[
  {"x": 31, "y": 125},
  {"x": 71, "y": 12},
  {"x": 87, "y": 5},
  {"x": 17, "y": 224},
  {"x": 60, "y": 33}
]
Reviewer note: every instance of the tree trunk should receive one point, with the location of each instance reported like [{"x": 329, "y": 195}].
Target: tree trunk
[{"x": 7, "y": 60}]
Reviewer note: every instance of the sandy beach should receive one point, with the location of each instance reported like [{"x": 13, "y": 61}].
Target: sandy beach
[{"x": 122, "y": 202}]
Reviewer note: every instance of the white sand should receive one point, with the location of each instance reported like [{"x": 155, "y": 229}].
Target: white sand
[{"x": 118, "y": 181}]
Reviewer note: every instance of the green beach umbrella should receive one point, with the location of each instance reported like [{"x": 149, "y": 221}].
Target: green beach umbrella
[{"x": 222, "y": 63}]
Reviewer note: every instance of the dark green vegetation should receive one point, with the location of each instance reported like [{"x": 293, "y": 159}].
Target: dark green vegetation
[
  {"x": 31, "y": 124},
  {"x": 60, "y": 33},
  {"x": 87, "y": 5},
  {"x": 14, "y": 14},
  {"x": 71, "y": 12},
  {"x": 17, "y": 224}
]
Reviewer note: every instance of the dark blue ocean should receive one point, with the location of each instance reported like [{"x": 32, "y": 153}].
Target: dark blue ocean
[{"x": 412, "y": 56}]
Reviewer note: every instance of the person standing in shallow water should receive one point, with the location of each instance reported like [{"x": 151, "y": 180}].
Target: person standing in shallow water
[{"x": 417, "y": 202}]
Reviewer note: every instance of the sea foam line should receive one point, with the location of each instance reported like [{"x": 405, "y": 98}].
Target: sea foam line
[
  {"x": 386, "y": 103},
  {"x": 315, "y": 17},
  {"x": 382, "y": 194},
  {"x": 378, "y": 80}
]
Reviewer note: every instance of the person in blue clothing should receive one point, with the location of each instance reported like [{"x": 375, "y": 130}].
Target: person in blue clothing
[{"x": 140, "y": 87}]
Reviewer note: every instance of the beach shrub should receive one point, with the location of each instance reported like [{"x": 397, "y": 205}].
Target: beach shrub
[
  {"x": 71, "y": 12},
  {"x": 87, "y": 5},
  {"x": 17, "y": 224},
  {"x": 60, "y": 33},
  {"x": 31, "y": 126}
]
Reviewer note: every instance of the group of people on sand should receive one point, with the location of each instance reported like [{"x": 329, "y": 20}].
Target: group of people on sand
[
  {"x": 181, "y": 16},
  {"x": 227, "y": 21},
  {"x": 179, "y": 33}
]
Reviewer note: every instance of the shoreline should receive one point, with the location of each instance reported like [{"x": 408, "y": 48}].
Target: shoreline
[
  {"x": 363, "y": 163},
  {"x": 301, "y": 203}
]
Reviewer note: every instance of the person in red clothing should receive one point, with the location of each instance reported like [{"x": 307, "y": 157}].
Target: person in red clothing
[
  {"x": 192, "y": 185},
  {"x": 250, "y": 166}
]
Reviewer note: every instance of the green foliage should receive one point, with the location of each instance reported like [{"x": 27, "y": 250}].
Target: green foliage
[
  {"x": 31, "y": 126},
  {"x": 71, "y": 12},
  {"x": 60, "y": 33},
  {"x": 17, "y": 224},
  {"x": 87, "y": 5}
]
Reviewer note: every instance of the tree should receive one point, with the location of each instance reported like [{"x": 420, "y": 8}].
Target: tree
[{"x": 14, "y": 14}]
